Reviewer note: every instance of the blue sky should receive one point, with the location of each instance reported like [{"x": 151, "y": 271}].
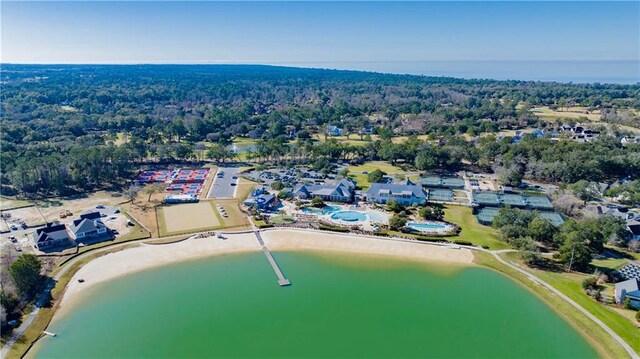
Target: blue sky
[{"x": 317, "y": 32}]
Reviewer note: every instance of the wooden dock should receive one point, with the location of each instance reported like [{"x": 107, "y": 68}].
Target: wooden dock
[{"x": 282, "y": 281}]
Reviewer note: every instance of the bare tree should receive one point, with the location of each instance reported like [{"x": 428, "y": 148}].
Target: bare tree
[{"x": 153, "y": 189}]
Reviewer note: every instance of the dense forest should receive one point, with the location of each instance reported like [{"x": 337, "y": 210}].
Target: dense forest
[{"x": 61, "y": 123}]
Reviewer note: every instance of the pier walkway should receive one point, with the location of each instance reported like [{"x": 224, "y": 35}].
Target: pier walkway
[{"x": 282, "y": 281}]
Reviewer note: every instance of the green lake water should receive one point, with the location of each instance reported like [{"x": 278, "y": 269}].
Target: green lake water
[{"x": 338, "y": 306}]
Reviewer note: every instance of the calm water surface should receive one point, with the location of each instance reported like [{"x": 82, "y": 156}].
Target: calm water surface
[{"x": 338, "y": 306}]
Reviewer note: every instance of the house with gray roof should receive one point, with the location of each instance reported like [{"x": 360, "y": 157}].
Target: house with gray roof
[
  {"x": 337, "y": 191},
  {"x": 50, "y": 236},
  {"x": 89, "y": 229},
  {"x": 405, "y": 194},
  {"x": 629, "y": 289}
]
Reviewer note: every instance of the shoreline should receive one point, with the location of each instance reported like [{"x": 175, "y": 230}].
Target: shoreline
[{"x": 149, "y": 256}]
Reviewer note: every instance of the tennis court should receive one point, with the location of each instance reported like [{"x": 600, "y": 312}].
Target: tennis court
[
  {"x": 512, "y": 200},
  {"x": 539, "y": 202},
  {"x": 486, "y": 199},
  {"x": 441, "y": 195},
  {"x": 442, "y": 182},
  {"x": 555, "y": 218},
  {"x": 486, "y": 215}
]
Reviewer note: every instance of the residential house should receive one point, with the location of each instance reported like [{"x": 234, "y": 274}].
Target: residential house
[
  {"x": 263, "y": 201},
  {"x": 405, "y": 194},
  {"x": 89, "y": 228},
  {"x": 50, "y": 236},
  {"x": 580, "y": 133},
  {"x": 626, "y": 140},
  {"x": 629, "y": 289},
  {"x": 334, "y": 131},
  {"x": 337, "y": 191}
]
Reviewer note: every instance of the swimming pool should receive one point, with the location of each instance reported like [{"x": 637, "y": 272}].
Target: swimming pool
[
  {"x": 321, "y": 211},
  {"x": 430, "y": 226},
  {"x": 349, "y": 216}
]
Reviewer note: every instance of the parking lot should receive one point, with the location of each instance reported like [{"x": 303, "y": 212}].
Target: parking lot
[
  {"x": 225, "y": 183},
  {"x": 291, "y": 176},
  {"x": 21, "y": 239}
]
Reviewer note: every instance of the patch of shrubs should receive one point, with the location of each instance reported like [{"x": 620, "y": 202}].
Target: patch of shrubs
[
  {"x": 334, "y": 229},
  {"x": 463, "y": 243}
]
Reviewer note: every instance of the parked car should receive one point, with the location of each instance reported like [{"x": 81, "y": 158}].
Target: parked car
[
  {"x": 13, "y": 239},
  {"x": 100, "y": 206}
]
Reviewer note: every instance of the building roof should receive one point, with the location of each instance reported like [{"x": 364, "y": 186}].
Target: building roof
[
  {"x": 265, "y": 198},
  {"x": 344, "y": 188},
  {"x": 90, "y": 214},
  {"x": 392, "y": 188},
  {"x": 630, "y": 285},
  {"x": 51, "y": 232},
  {"x": 635, "y": 229},
  {"x": 635, "y": 294},
  {"x": 86, "y": 225}
]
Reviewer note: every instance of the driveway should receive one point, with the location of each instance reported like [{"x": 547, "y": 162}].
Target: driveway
[{"x": 224, "y": 185}]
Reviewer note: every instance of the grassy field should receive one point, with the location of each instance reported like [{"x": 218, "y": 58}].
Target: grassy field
[
  {"x": 355, "y": 172},
  {"x": 472, "y": 231},
  {"x": 607, "y": 347},
  {"x": 571, "y": 285},
  {"x": 282, "y": 219},
  {"x": 188, "y": 218},
  {"x": 546, "y": 113},
  {"x": 610, "y": 263},
  {"x": 8, "y": 203}
]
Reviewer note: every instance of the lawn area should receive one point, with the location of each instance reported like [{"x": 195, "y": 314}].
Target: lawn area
[
  {"x": 355, "y": 172},
  {"x": 610, "y": 263},
  {"x": 282, "y": 219},
  {"x": 601, "y": 340},
  {"x": 546, "y": 113},
  {"x": 244, "y": 141},
  {"x": 353, "y": 140},
  {"x": 188, "y": 218},
  {"x": 571, "y": 285},
  {"x": 472, "y": 231},
  {"x": 8, "y": 203}
]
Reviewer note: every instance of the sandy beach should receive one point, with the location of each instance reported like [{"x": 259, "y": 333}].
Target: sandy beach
[
  {"x": 147, "y": 256},
  {"x": 292, "y": 240}
]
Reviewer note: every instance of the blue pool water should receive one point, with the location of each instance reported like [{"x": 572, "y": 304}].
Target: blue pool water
[
  {"x": 323, "y": 210},
  {"x": 349, "y": 216},
  {"x": 428, "y": 226}
]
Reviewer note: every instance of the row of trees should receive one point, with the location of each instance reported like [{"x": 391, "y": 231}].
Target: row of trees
[{"x": 575, "y": 242}]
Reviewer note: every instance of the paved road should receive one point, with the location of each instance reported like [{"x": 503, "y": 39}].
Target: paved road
[{"x": 224, "y": 186}]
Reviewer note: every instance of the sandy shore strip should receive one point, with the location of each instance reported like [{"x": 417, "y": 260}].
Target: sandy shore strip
[
  {"x": 292, "y": 240},
  {"x": 147, "y": 256}
]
